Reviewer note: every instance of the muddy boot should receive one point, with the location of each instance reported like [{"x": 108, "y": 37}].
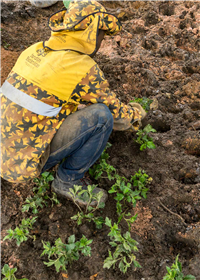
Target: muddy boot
[{"x": 62, "y": 188}]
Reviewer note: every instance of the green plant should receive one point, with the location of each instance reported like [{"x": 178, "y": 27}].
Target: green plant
[
  {"x": 144, "y": 139},
  {"x": 21, "y": 233},
  {"x": 40, "y": 194},
  {"x": 66, "y": 3},
  {"x": 175, "y": 272},
  {"x": 140, "y": 180},
  {"x": 125, "y": 194},
  {"x": 9, "y": 273},
  {"x": 33, "y": 203},
  {"x": 124, "y": 248},
  {"x": 144, "y": 102},
  {"x": 6, "y": 45},
  {"x": 87, "y": 195},
  {"x": 102, "y": 167},
  {"x": 43, "y": 181},
  {"x": 65, "y": 254}
]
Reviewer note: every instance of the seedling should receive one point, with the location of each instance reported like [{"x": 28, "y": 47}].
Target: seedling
[
  {"x": 40, "y": 194},
  {"x": 88, "y": 196},
  {"x": 144, "y": 139},
  {"x": 175, "y": 272},
  {"x": 33, "y": 203},
  {"x": 144, "y": 102},
  {"x": 65, "y": 254},
  {"x": 125, "y": 194},
  {"x": 21, "y": 233},
  {"x": 43, "y": 181},
  {"x": 140, "y": 180},
  {"x": 125, "y": 246},
  {"x": 9, "y": 273},
  {"x": 102, "y": 168},
  {"x": 6, "y": 45}
]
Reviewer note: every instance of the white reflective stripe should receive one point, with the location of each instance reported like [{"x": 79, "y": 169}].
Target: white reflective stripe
[{"x": 24, "y": 100}]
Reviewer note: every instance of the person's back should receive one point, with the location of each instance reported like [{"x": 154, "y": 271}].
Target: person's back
[
  {"x": 46, "y": 78},
  {"x": 40, "y": 123}
]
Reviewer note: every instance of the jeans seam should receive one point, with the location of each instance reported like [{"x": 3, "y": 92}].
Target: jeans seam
[
  {"x": 71, "y": 142},
  {"x": 99, "y": 146}
]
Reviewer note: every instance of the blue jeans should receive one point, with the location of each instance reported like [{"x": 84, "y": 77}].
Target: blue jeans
[{"x": 80, "y": 141}]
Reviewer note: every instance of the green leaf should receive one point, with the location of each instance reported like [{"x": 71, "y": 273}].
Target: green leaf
[
  {"x": 148, "y": 128},
  {"x": 136, "y": 264},
  {"x": 143, "y": 147},
  {"x": 113, "y": 244},
  {"x": 45, "y": 174},
  {"x": 50, "y": 178},
  {"x": 101, "y": 205},
  {"x": 71, "y": 239},
  {"x": 151, "y": 145},
  {"x": 122, "y": 266},
  {"x": 66, "y": 3},
  {"x": 5, "y": 269},
  {"x": 119, "y": 196},
  {"x": 108, "y": 222},
  {"x": 189, "y": 277},
  {"x": 109, "y": 262},
  {"x": 127, "y": 247},
  {"x": 112, "y": 190}
]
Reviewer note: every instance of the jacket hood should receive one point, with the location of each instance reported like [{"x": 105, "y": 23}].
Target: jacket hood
[{"x": 78, "y": 27}]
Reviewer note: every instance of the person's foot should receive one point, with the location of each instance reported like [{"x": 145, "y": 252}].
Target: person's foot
[{"x": 62, "y": 188}]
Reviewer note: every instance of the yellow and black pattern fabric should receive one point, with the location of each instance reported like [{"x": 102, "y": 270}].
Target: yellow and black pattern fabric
[
  {"x": 58, "y": 73},
  {"x": 26, "y": 135},
  {"x": 94, "y": 88},
  {"x": 80, "y": 15}
]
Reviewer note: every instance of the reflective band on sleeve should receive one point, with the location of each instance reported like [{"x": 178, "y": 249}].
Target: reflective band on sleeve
[{"x": 24, "y": 100}]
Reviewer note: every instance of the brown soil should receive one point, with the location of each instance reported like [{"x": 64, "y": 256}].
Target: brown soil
[{"x": 157, "y": 55}]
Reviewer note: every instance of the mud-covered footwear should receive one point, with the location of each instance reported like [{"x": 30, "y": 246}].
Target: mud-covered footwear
[{"x": 62, "y": 188}]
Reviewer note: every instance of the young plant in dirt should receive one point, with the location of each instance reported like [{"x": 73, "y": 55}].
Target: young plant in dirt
[
  {"x": 9, "y": 273},
  {"x": 140, "y": 180},
  {"x": 175, "y": 272},
  {"x": 144, "y": 139},
  {"x": 125, "y": 195},
  {"x": 124, "y": 248},
  {"x": 40, "y": 194},
  {"x": 21, "y": 233},
  {"x": 144, "y": 102},
  {"x": 88, "y": 196},
  {"x": 102, "y": 169},
  {"x": 65, "y": 254}
]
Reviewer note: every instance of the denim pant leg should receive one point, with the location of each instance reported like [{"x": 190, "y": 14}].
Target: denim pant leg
[{"x": 80, "y": 141}]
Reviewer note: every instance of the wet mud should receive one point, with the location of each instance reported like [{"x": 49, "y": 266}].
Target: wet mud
[{"x": 157, "y": 55}]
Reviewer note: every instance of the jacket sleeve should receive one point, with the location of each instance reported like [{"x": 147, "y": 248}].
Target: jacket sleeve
[{"x": 94, "y": 88}]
